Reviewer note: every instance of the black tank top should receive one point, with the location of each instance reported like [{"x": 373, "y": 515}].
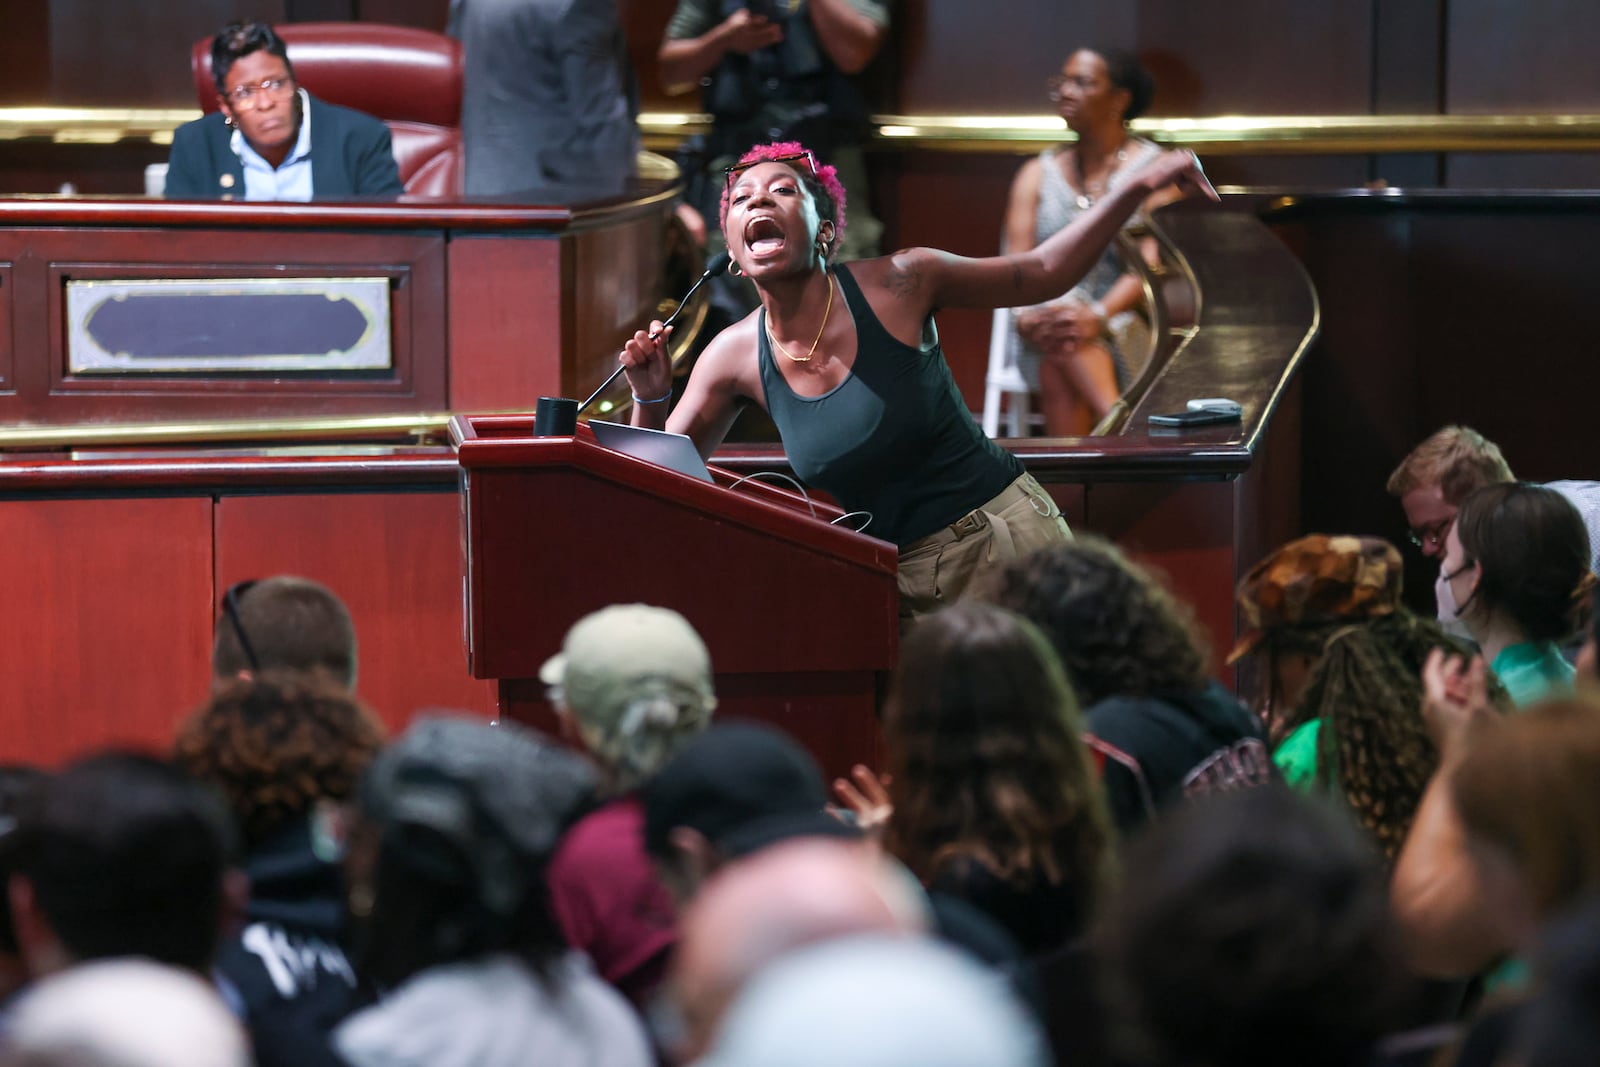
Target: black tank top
[{"x": 894, "y": 438}]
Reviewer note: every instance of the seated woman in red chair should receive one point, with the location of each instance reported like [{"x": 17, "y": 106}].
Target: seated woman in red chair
[{"x": 272, "y": 140}]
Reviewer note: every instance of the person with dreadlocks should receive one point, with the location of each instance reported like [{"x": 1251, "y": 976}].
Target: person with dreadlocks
[
  {"x": 1343, "y": 676},
  {"x": 864, "y": 401}
]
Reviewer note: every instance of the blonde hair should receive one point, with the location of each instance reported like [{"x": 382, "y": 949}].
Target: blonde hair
[{"x": 1457, "y": 459}]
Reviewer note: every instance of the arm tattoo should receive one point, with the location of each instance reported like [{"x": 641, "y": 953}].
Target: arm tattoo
[
  {"x": 901, "y": 281},
  {"x": 1016, "y": 273}
]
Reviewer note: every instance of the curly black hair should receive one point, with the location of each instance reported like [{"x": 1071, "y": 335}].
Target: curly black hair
[
  {"x": 276, "y": 745},
  {"x": 1117, "y": 628}
]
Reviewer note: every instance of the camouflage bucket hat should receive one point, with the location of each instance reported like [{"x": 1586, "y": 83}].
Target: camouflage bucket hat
[{"x": 1317, "y": 579}]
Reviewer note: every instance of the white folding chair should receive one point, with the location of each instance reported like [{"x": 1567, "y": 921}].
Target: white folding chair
[{"x": 1004, "y": 380}]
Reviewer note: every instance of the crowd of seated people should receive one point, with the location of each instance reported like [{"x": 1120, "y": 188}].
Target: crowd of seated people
[{"x": 1080, "y": 846}]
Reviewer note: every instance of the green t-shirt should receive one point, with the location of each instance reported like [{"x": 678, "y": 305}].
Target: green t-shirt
[
  {"x": 1533, "y": 671},
  {"x": 1296, "y": 757}
]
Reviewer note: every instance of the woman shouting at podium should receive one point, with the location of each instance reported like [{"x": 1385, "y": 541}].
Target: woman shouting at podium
[{"x": 846, "y": 360}]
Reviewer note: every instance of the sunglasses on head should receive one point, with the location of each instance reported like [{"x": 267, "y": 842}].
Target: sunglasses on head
[
  {"x": 230, "y": 608},
  {"x": 795, "y": 157}
]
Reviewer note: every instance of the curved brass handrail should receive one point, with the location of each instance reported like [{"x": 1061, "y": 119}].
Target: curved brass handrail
[{"x": 1000, "y": 134}]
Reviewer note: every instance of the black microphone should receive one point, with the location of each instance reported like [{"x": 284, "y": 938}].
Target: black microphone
[{"x": 717, "y": 265}]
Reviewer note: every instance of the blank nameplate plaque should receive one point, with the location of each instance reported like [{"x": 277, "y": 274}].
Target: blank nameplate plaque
[{"x": 228, "y": 325}]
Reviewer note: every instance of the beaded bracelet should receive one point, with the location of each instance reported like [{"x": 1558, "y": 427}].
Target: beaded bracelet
[{"x": 637, "y": 399}]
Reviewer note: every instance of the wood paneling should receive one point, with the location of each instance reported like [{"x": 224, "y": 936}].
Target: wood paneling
[
  {"x": 395, "y": 560},
  {"x": 1258, "y": 56},
  {"x": 1537, "y": 56},
  {"x": 423, "y": 14},
  {"x": 506, "y": 339},
  {"x": 135, "y": 54},
  {"x": 108, "y": 634},
  {"x": 25, "y": 52}
]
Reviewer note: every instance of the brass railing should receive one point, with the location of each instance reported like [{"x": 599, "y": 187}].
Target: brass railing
[{"x": 1002, "y": 134}]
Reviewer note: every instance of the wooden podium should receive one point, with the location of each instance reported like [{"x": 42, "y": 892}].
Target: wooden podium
[{"x": 801, "y": 617}]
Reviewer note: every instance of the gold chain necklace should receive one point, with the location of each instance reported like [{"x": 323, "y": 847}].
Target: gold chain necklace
[{"x": 813, "y": 351}]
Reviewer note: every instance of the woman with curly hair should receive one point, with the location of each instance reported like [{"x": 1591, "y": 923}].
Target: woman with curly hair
[
  {"x": 286, "y": 751},
  {"x": 993, "y": 791},
  {"x": 1162, "y": 727}
]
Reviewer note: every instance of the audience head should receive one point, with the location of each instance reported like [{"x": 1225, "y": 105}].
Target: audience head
[
  {"x": 125, "y": 1013},
  {"x": 878, "y": 1002},
  {"x": 987, "y": 758},
  {"x": 822, "y": 184},
  {"x": 1341, "y": 649},
  {"x": 1518, "y": 554},
  {"x": 1438, "y": 475},
  {"x": 457, "y": 823},
  {"x": 283, "y": 623},
  {"x": 120, "y": 855},
  {"x": 18, "y": 784},
  {"x": 1113, "y": 623},
  {"x": 1528, "y": 793},
  {"x": 732, "y": 791},
  {"x": 1097, "y": 87},
  {"x": 1310, "y": 588},
  {"x": 790, "y": 895},
  {"x": 276, "y": 747},
  {"x": 635, "y": 682},
  {"x": 1252, "y": 928}
]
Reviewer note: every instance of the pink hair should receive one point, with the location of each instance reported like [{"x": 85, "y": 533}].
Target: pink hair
[{"x": 827, "y": 177}]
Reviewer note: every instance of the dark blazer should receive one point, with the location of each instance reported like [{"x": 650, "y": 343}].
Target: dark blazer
[{"x": 351, "y": 156}]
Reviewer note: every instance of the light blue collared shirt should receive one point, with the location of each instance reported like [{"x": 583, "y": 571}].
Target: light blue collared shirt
[{"x": 289, "y": 182}]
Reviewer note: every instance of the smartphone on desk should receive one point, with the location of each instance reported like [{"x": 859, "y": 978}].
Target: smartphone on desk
[{"x": 1194, "y": 417}]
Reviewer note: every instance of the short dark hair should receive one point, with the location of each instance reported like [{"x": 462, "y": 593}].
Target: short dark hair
[
  {"x": 237, "y": 40},
  {"x": 126, "y": 856},
  {"x": 1117, "y": 628},
  {"x": 1124, "y": 71},
  {"x": 1534, "y": 551},
  {"x": 276, "y": 745},
  {"x": 1252, "y": 928},
  {"x": 290, "y": 624},
  {"x": 18, "y": 782}
]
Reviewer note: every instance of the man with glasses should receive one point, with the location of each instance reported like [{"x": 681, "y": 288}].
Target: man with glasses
[
  {"x": 1442, "y": 471},
  {"x": 272, "y": 140}
]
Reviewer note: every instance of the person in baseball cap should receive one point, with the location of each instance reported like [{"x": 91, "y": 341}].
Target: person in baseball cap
[
  {"x": 633, "y": 682},
  {"x": 735, "y": 789}
]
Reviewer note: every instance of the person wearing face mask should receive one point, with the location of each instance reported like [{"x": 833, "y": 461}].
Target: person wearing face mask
[
  {"x": 1437, "y": 475},
  {"x": 272, "y": 140},
  {"x": 1516, "y": 568},
  {"x": 864, "y": 401}
]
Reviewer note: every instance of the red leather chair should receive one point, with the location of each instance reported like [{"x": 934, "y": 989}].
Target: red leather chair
[{"x": 409, "y": 78}]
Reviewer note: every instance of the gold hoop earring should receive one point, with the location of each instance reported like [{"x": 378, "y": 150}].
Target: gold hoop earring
[{"x": 735, "y": 270}]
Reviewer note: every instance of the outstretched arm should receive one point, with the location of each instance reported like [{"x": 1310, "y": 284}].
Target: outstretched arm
[{"x": 943, "y": 279}]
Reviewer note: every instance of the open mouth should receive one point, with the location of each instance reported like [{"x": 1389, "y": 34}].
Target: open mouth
[{"x": 763, "y": 236}]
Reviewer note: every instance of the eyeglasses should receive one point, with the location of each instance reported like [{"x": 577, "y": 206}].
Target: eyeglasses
[
  {"x": 230, "y": 608},
  {"x": 272, "y": 87},
  {"x": 798, "y": 157},
  {"x": 1056, "y": 82},
  {"x": 1433, "y": 534}
]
